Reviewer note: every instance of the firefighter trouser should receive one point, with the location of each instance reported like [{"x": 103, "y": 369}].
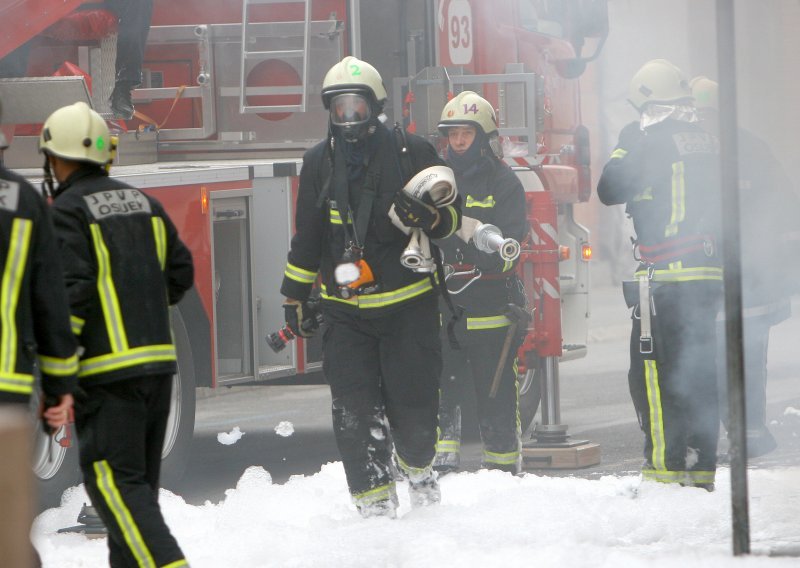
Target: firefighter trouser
[
  {"x": 498, "y": 418},
  {"x": 383, "y": 371},
  {"x": 121, "y": 429},
  {"x": 132, "y": 31},
  {"x": 674, "y": 388}
]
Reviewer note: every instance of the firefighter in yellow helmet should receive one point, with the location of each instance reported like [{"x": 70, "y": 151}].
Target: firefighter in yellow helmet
[
  {"x": 665, "y": 170},
  {"x": 381, "y": 349},
  {"x": 767, "y": 200},
  {"x": 493, "y": 195},
  {"x": 124, "y": 265}
]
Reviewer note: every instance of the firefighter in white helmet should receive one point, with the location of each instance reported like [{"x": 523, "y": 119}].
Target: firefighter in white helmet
[
  {"x": 124, "y": 265},
  {"x": 381, "y": 348},
  {"x": 492, "y": 194},
  {"x": 665, "y": 170},
  {"x": 766, "y": 261}
]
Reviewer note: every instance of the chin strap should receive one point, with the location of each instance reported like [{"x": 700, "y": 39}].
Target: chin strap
[{"x": 48, "y": 187}]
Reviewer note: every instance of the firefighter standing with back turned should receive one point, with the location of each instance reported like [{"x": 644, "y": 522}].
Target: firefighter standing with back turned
[
  {"x": 381, "y": 348},
  {"x": 767, "y": 199},
  {"x": 665, "y": 170},
  {"x": 124, "y": 266},
  {"x": 35, "y": 326},
  {"x": 493, "y": 194}
]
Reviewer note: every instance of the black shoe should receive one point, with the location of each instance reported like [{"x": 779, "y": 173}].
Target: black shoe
[{"x": 121, "y": 103}]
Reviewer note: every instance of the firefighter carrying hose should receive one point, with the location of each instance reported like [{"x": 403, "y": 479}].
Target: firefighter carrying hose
[
  {"x": 381, "y": 348},
  {"x": 493, "y": 194},
  {"x": 124, "y": 265},
  {"x": 665, "y": 170},
  {"x": 768, "y": 200}
]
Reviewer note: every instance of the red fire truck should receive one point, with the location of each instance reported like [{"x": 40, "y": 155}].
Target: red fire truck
[{"x": 229, "y": 103}]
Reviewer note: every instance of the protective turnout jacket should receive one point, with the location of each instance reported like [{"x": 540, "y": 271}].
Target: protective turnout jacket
[
  {"x": 34, "y": 317},
  {"x": 677, "y": 222},
  {"x": 319, "y": 241},
  {"x": 124, "y": 266},
  {"x": 492, "y": 194}
]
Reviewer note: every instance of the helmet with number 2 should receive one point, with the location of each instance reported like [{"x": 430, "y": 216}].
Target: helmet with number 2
[{"x": 468, "y": 108}]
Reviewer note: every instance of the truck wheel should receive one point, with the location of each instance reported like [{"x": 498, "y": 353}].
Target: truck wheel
[
  {"x": 56, "y": 466},
  {"x": 530, "y": 393},
  {"x": 180, "y": 424}
]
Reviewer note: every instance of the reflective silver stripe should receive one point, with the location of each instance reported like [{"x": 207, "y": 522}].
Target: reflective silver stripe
[
  {"x": 108, "y": 293},
  {"x": 128, "y": 358},
  {"x": 13, "y": 274},
  {"x": 684, "y": 274},
  {"x": 299, "y": 274},
  {"x": 58, "y": 367},
  {"x": 160, "y": 236},
  {"x": 16, "y": 382},
  {"x": 488, "y": 322},
  {"x": 104, "y": 478}
]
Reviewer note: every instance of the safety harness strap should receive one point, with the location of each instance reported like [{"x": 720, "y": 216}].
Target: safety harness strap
[
  {"x": 645, "y": 334},
  {"x": 677, "y": 248}
]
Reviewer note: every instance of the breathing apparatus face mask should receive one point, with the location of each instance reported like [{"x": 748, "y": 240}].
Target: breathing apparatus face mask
[{"x": 350, "y": 115}]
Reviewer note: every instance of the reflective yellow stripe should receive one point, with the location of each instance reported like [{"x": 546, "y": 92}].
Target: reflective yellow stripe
[
  {"x": 678, "y": 199},
  {"x": 58, "y": 367},
  {"x": 453, "y": 220},
  {"x": 412, "y": 471},
  {"x": 176, "y": 564},
  {"x": 384, "y": 299},
  {"x": 77, "y": 324},
  {"x": 702, "y": 476},
  {"x": 373, "y": 495},
  {"x": 160, "y": 235},
  {"x": 16, "y": 382},
  {"x": 108, "y": 293},
  {"x": 336, "y": 218},
  {"x": 13, "y": 274},
  {"x": 488, "y": 322},
  {"x": 127, "y": 358},
  {"x": 618, "y": 153},
  {"x": 108, "y": 488},
  {"x": 508, "y": 458},
  {"x": 485, "y": 203},
  {"x": 656, "y": 417},
  {"x": 664, "y": 476},
  {"x": 508, "y": 265},
  {"x": 684, "y": 274},
  {"x": 300, "y": 274},
  {"x": 448, "y": 446}
]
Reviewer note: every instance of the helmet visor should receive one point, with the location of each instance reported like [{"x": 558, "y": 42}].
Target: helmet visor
[{"x": 349, "y": 109}]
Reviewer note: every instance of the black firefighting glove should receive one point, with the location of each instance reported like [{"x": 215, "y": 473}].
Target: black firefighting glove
[
  {"x": 416, "y": 213},
  {"x": 299, "y": 318}
]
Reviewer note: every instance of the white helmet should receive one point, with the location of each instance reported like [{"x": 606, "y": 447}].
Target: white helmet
[
  {"x": 468, "y": 108},
  {"x": 658, "y": 81},
  {"x": 76, "y": 132},
  {"x": 705, "y": 92},
  {"x": 351, "y": 75}
]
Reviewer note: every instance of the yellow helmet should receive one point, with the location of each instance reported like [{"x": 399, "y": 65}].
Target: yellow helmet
[
  {"x": 468, "y": 108},
  {"x": 658, "y": 81},
  {"x": 76, "y": 132},
  {"x": 705, "y": 92},
  {"x": 351, "y": 75}
]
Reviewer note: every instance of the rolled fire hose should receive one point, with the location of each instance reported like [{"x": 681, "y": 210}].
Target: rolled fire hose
[{"x": 438, "y": 182}]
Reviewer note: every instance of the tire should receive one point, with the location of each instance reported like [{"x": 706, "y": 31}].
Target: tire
[
  {"x": 180, "y": 424},
  {"x": 55, "y": 466}
]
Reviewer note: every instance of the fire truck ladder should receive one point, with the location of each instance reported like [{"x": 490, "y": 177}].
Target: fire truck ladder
[{"x": 249, "y": 57}]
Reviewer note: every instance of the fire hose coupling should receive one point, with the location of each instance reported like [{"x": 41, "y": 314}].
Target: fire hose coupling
[{"x": 488, "y": 238}]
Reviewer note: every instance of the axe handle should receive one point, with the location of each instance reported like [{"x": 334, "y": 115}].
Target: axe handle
[{"x": 512, "y": 331}]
